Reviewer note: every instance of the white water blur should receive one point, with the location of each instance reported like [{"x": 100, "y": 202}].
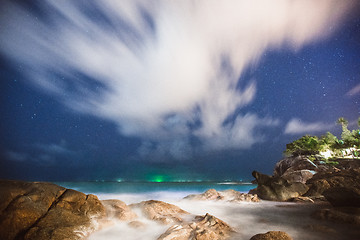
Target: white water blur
[{"x": 246, "y": 218}]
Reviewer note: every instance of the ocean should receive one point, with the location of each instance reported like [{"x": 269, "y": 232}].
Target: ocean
[{"x": 131, "y": 192}]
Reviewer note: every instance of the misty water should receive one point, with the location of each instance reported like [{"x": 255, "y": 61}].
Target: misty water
[{"x": 247, "y": 219}]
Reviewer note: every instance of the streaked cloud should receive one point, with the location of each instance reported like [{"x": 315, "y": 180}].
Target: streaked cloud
[
  {"x": 162, "y": 70},
  {"x": 297, "y": 126},
  {"x": 354, "y": 91}
]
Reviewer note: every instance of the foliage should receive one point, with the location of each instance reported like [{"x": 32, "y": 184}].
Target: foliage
[
  {"x": 306, "y": 145},
  {"x": 312, "y": 145}
]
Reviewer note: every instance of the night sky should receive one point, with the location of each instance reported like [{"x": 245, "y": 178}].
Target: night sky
[{"x": 185, "y": 90}]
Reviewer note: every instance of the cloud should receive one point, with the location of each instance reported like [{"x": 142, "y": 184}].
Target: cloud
[
  {"x": 42, "y": 153},
  {"x": 297, "y": 126},
  {"x": 136, "y": 63},
  {"x": 354, "y": 91},
  {"x": 16, "y": 156}
]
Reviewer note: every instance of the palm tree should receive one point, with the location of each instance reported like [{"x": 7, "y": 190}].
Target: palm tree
[{"x": 343, "y": 122}]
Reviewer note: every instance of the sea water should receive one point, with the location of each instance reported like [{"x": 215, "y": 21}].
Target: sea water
[{"x": 131, "y": 192}]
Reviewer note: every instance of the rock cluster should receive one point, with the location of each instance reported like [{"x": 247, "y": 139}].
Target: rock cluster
[
  {"x": 227, "y": 195},
  {"x": 47, "y": 211},
  {"x": 294, "y": 180}
]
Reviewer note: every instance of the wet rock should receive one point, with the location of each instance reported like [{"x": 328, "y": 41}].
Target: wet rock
[
  {"x": 210, "y": 194},
  {"x": 137, "y": 224},
  {"x": 205, "y": 227},
  {"x": 277, "y": 188},
  {"x": 272, "y": 235},
  {"x": 118, "y": 209},
  {"x": 227, "y": 195},
  {"x": 46, "y": 211},
  {"x": 165, "y": 213}
]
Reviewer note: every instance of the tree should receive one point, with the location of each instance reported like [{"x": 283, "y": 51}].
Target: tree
[{"x": 346, "y": 135}]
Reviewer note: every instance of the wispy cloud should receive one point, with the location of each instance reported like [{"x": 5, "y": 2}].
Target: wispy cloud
[
  {"x": 138, "y": 62},
  {"x": 16, "y": 156},
  {"x": 354, "y": 91},
  {"x": 42, "y": 153},
  {"x": 297, "y": 126}
]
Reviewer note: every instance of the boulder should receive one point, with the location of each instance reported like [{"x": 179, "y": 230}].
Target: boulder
[
  {"x": 272, "y": 235},
  {"x": 292, "y": 164},
  {"x": 227, "y": 195},
  {"x": 118, "y": 209},
  {"x": 298, "y": 176},
  {"x": 46, "y": 211},
  {"x": 162, "y": 212},
  {"x": 277, "y": 188},
  {"x": 343, "y": 196},
  {"x": 210, "y": 194},
  {"x": 205, "y": 227}
]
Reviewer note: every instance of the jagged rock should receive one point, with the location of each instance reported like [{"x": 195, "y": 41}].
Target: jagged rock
[
  {"x": 348, "y": 215},
  {"x": 272, "y": 235},
  {"x": 205, "y": 227},
  {"x": 165, "y": 213},
  {"x": 298, "y": 176},
  {"x": 292, "y": 164},
  {"x": 46, "y": 211},
  {"x": 118, "y": 209},
  {"x": 277, "y": 188},
  {"x": 227, "y": 195}
]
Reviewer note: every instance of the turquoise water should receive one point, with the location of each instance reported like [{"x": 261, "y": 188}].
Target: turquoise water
[{"x": 147, "y": 187}]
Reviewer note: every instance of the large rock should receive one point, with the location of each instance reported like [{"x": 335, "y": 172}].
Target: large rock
[
  {"x": 272, "y": 235},
  {"x": 162, "y": 212},
  {"x": 277, "y": 188},
  {"x": 298, "y": 176},
  {"x": 46, "y": 211},
  {"x": 227, "y": 195},
  {"x": 118, "y": 209},
  {"x": 292, "y": 164},
  {"x": 205, "y": 227},
  {"x": 324, "y": 181}
]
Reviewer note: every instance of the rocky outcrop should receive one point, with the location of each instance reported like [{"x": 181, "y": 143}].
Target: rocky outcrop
[
  {"x": 227, "y": 195},
  {"x": 205, "y": 227},
  {"x": 162, "y": 212},
  {"x": 324, "y": 181},
  {"x": 272, "y": 235},
  {"x": 277, "y": 188},
  {"x": 46, "y": 211}
]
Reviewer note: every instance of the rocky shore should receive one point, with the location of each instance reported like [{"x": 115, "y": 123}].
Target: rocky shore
[{"x": 324, "y": 193}]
